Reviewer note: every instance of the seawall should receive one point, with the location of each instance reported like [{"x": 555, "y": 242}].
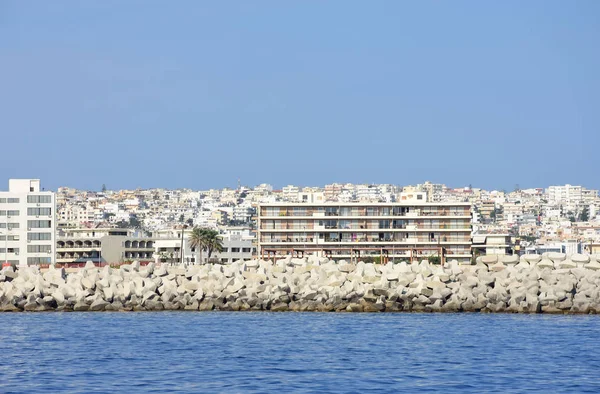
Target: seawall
[{"x": 553, "y": 283}]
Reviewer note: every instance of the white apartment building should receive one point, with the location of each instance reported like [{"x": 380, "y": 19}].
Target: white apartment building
[
  {"x": 290, "y": 193},
  {"x": 368, "y": 193},
  {"x": 27, "y": 223},
  {"x": 565, "y": 194}
]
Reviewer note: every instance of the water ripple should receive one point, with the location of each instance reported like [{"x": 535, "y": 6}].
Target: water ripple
[{"x": 297, "y": 352}]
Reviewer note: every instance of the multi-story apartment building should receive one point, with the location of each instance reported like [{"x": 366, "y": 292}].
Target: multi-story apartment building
[
  {"x": 102, "y": 245},
  {"x": 27, "y": 223},
  {"x": 290, "y": 193},
  {"x": 565, "y": 194},
  {"x": 403, "y": 230}
]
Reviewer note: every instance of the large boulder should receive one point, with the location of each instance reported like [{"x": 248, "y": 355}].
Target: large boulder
[
  {"x": 510, "y": 259},
  {"x": 580, "y": 258},
  {"x": 489, "y": 259},
  {"x": 545, "y": 263},
  {"x": 568, "y": 264},
  {"x": 594, "y": 265},
  {"x": 532, "y": 258},
  {"x": 556, "y": 256}
]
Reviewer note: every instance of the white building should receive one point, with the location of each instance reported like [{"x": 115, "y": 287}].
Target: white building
[
  {"x": 27, "y": 223},
  {"x": 564, "y": 194},
  {"x": 237, "y": 245},
  {"x": 290, "y": 193}
]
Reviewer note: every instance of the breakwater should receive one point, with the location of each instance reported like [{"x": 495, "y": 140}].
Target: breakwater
[{"x": 552, "y": 283}]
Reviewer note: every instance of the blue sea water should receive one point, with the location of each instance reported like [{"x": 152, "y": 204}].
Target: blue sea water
[{"x": 191, "y": 352}]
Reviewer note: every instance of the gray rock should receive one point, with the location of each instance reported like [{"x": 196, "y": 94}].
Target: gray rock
[{"x": 98, "y": 305}]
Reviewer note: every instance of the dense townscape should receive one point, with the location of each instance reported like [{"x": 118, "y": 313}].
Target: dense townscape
[
  {"x": 156, "y": 225},
  {"x": 557, "y": 218}
]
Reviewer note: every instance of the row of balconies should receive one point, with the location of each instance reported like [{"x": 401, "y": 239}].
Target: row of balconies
[
  {"x": 344, "y": 253},
  {"x": 428, "y": 240},
  {"x": 367, "y": 215},
  {"x": 409, "y": 227}
]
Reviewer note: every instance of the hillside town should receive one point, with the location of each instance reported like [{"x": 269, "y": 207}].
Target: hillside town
[{"x": 113, "y": 226}]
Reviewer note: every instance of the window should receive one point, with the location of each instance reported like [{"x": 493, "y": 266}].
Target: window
[
  {"x": 330, "y": 224},
  {"x": 3, "y": 200},
  {"x": 39, "y": 223},
  {"x": 39, "y": 211},
  {"x": 384, "y": 224},
  {"x": 10, "y": 225},
  {"x": 419, "y": 196},
  {"x": 39, "y": 236},
  {"x": 331, "y": 211},
  {"x": 10, "y": 238},
  {"x": 39, "y": 199},
  {"x": 12, "y": 200},
  {"x": 39, "y": 248},
  {"x": 10, "y": 250},
  {"x": 9, "y": 213},
  {"x": 38, "y": 260},
  {"x": 246, "y": 250},
  {"x": 235, "y": 250}
]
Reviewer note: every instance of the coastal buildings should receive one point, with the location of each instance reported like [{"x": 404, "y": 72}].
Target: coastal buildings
[
  {"x": 237, "y": 245},
  {"x": 27, "y": 223},
  {"x": 102, "y": 245},
  {"x": 536, "y": 216},
  {"x": 403, "y": 230}
]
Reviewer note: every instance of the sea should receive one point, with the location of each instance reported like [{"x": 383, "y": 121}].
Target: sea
[{"x": 263, "y": 352}]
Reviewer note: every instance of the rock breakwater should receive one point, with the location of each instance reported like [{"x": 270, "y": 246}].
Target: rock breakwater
[{"x": 552, "y": 283}]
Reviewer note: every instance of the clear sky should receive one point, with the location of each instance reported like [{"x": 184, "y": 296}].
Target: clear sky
[{"x": 198, "y": 94}]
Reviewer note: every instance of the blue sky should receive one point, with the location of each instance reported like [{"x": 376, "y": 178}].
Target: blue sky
[{"x": 198, "y": 94}]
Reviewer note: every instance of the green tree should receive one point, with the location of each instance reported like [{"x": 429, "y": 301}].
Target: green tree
[
  {"x": 584, "y": 216},
  {"x": 197, "y": 240},
  {"x": 205, "y": 239},
  {"x": 434, "y": 259},
  {"x": 213, "y": 242},
  {"x": 134, "y": 222}
]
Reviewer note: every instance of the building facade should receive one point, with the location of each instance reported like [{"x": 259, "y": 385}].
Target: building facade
[
  {"x": 27, "y": 223},
  {"x": 492, "y": 244},
  {"x": 394, "y": 231},
  {"x": 102, "y": 245},
  {"x": 237, "y": 245}
]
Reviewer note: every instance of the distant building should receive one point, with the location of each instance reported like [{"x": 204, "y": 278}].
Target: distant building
[
  {"x": 492, "y": 244},
  {"x": 564, "y": 194},
  {"x": 568, "y": 247},
  {"x": 27, "y": 223}
]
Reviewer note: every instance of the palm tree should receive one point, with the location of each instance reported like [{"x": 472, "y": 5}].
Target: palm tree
[
  {"x": 197, "y": 240},
  {"x": 205, "y": 239},
  {"x": 212, "y": 242}
]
